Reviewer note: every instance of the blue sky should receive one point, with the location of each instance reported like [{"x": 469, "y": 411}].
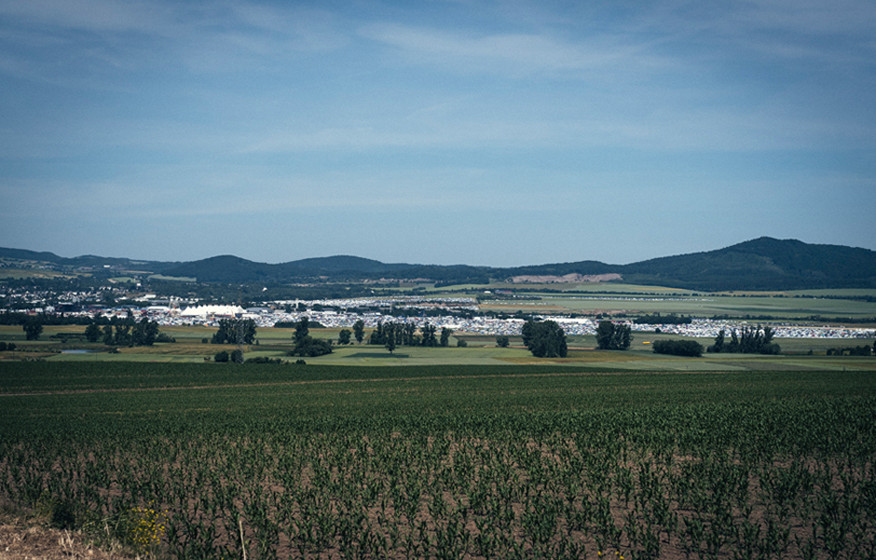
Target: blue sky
[{"x": 489, "y": 133}]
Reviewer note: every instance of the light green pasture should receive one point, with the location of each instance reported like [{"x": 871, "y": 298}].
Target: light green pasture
[{"x": 702, "y": 305}]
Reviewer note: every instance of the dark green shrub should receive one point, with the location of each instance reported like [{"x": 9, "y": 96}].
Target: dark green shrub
[{"x": 678, "y": 347}]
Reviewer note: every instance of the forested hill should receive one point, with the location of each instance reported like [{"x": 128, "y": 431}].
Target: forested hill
[{"x": 760, "y": 264}]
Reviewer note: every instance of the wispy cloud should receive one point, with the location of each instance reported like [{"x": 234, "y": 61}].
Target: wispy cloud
[
  {"x": 519, "y": 54},
  {"x": 550, "y": 111}
]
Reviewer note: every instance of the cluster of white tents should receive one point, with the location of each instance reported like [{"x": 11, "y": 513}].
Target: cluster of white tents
[{"x": 206, "y": 311}]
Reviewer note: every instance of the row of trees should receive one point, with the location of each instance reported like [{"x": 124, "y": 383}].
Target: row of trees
[
  {"x": 748, "y": 340},
  {"x": 391, "y": 335},
  {"x": 852, "y": 350},
  {"x": 125, "y": 332},
  {"x": 223, "y": 356},
  {"x": 235, "y": 331},
  {"x": 546, "y": 339}
]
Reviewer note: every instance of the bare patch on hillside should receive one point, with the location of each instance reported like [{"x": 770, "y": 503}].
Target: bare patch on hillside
[{"x": 565, "y": 279}]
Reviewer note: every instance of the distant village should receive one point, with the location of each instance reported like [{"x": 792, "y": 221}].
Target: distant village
[{"x": 462, "y": 314}]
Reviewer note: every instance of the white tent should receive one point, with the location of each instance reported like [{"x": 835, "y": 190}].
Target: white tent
[{"x": 212, "y": 311}]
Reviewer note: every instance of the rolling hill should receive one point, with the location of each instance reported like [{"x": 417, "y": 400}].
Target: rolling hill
[{"x": 759, "y": 264}]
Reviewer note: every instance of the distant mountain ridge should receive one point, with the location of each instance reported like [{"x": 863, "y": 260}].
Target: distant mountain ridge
[{"x": 764, "y": 263}]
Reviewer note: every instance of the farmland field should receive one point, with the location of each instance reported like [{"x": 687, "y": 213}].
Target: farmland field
[
  {"x": 448, "y": 461},
  {"x": 828, "y": 304}
]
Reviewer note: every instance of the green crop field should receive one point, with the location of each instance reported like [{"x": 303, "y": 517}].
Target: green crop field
[
  {"x": 449, "y": 461},
  {"x": 797, "y": 353},
  {"x": 698, "y": 305}
]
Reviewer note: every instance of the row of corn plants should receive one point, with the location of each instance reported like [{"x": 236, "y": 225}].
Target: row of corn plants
[{"x": 509, "y": 469}]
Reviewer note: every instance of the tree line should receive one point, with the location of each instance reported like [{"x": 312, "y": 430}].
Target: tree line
[
  {"x": 747, "y": 340},
  {"x": 235, "y": 331},
  {"x": 392, "y": 335},
  {"x": 863, "y": 350},
  {"x": 125, "y": 332}
]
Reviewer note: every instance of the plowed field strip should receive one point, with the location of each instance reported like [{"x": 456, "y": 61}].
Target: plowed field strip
[{"x": 318, "y": 381}]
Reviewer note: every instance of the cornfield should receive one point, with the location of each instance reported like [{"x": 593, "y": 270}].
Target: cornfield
[{"x": 448, "y": 464}]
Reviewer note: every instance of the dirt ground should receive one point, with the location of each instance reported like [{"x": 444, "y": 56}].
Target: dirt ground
[{"x": 30, "y": 540}]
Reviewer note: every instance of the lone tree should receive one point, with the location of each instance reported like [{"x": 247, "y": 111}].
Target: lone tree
[
  {"x": 545, "y": 339},
  {"x": 610, "y": 336},
  {"x": 145, "y": 332},
  {"x": 92, "y": 331},
  {"x": 302, "y": 330},
  {"x": 306, "y": 345},
  {"x": 33, "y": 328},
  {"x": 389, "y": 336},
  {"x": 359, "y": 331},
  {"x": 445, "y": 336}
]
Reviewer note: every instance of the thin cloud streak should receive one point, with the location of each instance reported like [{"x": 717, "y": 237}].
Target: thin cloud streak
[{"x": 570, "y": 118}]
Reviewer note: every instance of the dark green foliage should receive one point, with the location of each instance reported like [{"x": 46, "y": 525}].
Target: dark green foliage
[
  {"x": 863, "y": 350},
  {"x": 748, "y": 340},
  {"x": 409, "y": 338},
  {"x": 63, "y": 514},
  {"x": 344, "y": 336},
  {"x": 545, "y": 339},
  {"x": 359, "y": 331},
  {"x": 221, "y": 356},
  {"x": 264, "y": 360},
  {"x": 108, "y": 337},
  {"x": 127, "y": 332},
  {"x": 145, "y": 333},
  {"x": 502, "y": 341},
  {"x": 302, "y": 330},
  {"x": 311, "y": 324},
  {"x": 123, "y": 335},
  {"x": 611, "y": 336},
  {"x": 658, "y": 319},
  {"x": 311, "y": 347},
  {"x": 389, "y": 340},
  {"x": 306, "y": 345},
  {"x": 760, "y": 264},
  {"x": 236, "y": 356},
  {"x": 678, "y": 347},
  {"x": 92, "y": 332},
  {"x": 445, "y": 336},
  {"x": 404, "y": 334},
  {"x": 428, "y": 335},
  {"x": 33, "y": 327},
  {"x": 235, "y": 331}
]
